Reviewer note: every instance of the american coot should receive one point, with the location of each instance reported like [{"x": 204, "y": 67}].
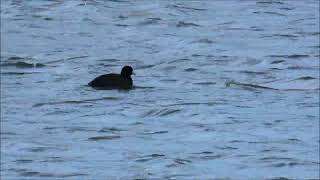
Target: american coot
[{"x": 114, "y": 81}]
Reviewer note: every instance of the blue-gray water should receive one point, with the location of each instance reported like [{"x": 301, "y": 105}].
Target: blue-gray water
[{"x": 225, "y": 89}]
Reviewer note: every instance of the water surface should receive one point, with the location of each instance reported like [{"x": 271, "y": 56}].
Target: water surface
[{"x": 224, "y": 89}]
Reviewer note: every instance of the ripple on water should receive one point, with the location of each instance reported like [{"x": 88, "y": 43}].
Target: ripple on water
[
  {"x": 204, "y": 41},
  {"x": 276, "y": 161},
  {"x": 149, "y": 157},
  {"x": 247, "y": 85},
  {"x": 150, "y": 21},
  {"x": 253, "y": 72},
  {"x": 190, "y": 69},
  {"x": 18, "y": 73},
  {"x": 277, "y": 62},
  {"x": 305, "y": 78},
  {"x": 103, "y": 138},
  {"x": 185, "y": 7},
  {"x": 268, "y": 2},
  {"x": 110, "y": 130},
  {"x": 23, "y": 161},
  {"x": 274, "y": 13},
  {"x": 54, "y": 159},
  {"x": 153, "y": 132},
  {"x": 187, "y": 24},
  {"x": 206, "y": 155},
  {"x": 292, "y": 56},
  {"x": 30, "y": 173},
  {"x": 182, "y": 161},
  {"x": 79, "y": 129},
  {"x": 205, "y": 83},
  {"x": 161, "y": 112},
  {"x": 76, "y": 101},
  {"x": 21, "y": 64},
  {"x": 176, "y": 162}
]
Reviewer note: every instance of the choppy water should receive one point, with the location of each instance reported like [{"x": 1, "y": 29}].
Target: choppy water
[{"x": 225, "y": 89}]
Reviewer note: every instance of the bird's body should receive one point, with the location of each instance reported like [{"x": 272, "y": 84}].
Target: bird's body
[{"x": 114, "y": 81}]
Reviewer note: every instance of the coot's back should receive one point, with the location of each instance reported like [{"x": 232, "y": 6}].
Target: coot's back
[{"x": 111, "y": 81}]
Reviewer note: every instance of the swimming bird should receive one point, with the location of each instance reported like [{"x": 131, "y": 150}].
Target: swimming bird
[{"x": 114, "y": 81}]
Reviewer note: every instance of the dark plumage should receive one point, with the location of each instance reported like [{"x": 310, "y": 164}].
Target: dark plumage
[{"x": 114, "y": 81}]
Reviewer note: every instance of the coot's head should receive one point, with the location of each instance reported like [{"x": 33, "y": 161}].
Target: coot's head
[{"x": 126, "y": 71}]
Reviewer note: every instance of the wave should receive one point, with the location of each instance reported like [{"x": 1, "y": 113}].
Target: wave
[
  {"x": 229, "y": 83},
  {"x": 22, "y": 64},
  {"x": 75, "y": 101},
  {"x": 255, "y": 86}
]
